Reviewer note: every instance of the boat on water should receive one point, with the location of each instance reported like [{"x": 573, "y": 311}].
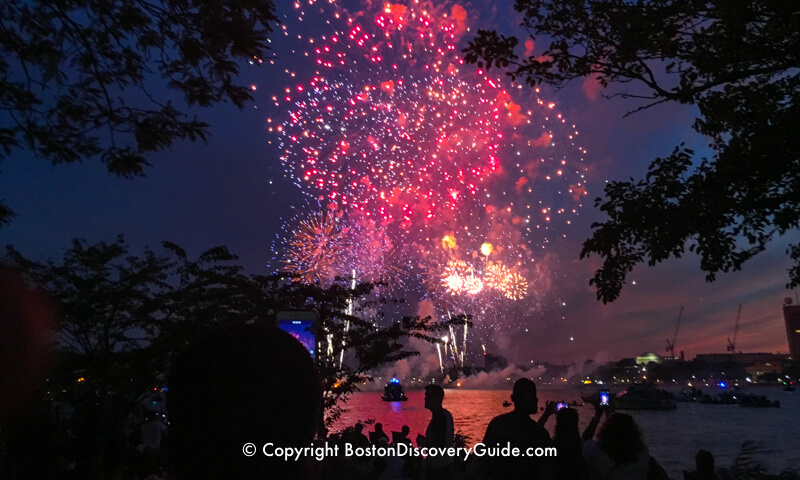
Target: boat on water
[
  {"x": 686, "y": 395},
  {"x": 724, "y": 398},
  {"x": 393, "y": 392},
  {"x": 788, "y": 387},
  {"x": 757, "y": 401},
  {"x": 643, "y": 396}
]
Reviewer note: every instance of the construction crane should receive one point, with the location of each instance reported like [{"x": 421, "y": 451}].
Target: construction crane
[
  {"x": 732, "y": 344},
  {"x": 671, "y": 345}
]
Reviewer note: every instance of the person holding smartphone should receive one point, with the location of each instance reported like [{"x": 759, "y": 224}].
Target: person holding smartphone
[
  {"x": 619, "y": 453},
  {"x": 601, "y": 404},
  {"x": 569, "y": 464}
]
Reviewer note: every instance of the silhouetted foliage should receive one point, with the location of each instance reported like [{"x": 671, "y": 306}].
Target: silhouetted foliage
[
  {"x": 738, "y": 63},
  {"x": 111, "y": 304},
  {"x": 84, "y": 79},
  {"x": 123, "y": 316}
]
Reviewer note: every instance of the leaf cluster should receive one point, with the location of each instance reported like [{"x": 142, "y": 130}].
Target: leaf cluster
[
  {"x": 738, "y": 62},
  {"x": 82, "y": 79},
  {"x": 123, "y": 316}
]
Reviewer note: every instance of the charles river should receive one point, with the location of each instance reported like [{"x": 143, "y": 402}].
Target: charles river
[{"x": 672, "y": 436}]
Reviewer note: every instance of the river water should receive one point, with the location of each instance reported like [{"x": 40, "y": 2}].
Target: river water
[{"x": 673, "y": 437}]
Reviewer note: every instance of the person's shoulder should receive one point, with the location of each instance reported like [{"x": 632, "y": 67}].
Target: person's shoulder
[
  {"x": 440, "y": 415},
  {"x": 539, "y": 432},
  {"x": 449, "y": 419},
  {"x": 498, "y": 423},
  {"x": 504, "y": 418}
]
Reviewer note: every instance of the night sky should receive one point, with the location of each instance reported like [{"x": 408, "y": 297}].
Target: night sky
[{"x": 232, "y": 191}]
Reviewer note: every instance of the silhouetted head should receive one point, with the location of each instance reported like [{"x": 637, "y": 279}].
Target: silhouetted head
[
  {"x": 524, "y": 396},
  {"x": 405, "y": 430},
  {"x": 378, "y": 427},
  {"x": 704, "y": 461},
  {"x": 621, "y": 439},
  {"x": 242, "y": 384},
  {"x": 359, "y": 427},
  {"x": 434, "y": 396},
  {"x": 567, "y": 424}
]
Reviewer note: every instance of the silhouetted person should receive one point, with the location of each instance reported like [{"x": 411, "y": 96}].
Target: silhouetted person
[
  {"x": 656, "y": 471},
  {"x": 440, "y": 433},
  {"x": 619, "y": 452},
  {"x": 402, "y": 436},
  {"x": 357, "y": 437},
  {"x": 378, "y": 434},
  {"x": 242, "y": 384},
  {"x": 704, "y": 463},
  {"x": 521, "y": 431},
  {"x": 569, "y": 464},
  {"x": 358, "y": 467}
]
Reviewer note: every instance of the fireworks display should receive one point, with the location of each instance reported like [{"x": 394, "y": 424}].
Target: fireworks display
[
  {"x": 321, "y": 247},
  {"x": 315, "y": 248},
  {"x": 425, "y": 167},
  {"x": 459, "y": 277},
  {"x": 513, "y": 285}
]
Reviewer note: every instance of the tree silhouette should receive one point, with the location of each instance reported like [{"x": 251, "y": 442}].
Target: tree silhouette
[
  {"x": 738, "y": 63},
  {"x": 85, "y": 79},
  {"x": 123, "y": 317}
]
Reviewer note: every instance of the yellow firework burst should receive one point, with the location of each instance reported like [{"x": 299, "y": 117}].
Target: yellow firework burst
[
  {"x": 315, "y": 247},
  {"x": 459, "y": 277},
  {"x": 513, "y": 285}
]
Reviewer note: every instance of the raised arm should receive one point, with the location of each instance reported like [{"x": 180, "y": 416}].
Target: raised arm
[
  {"x": 588, "y": 434},
  {"x": 549, "y": 410}
]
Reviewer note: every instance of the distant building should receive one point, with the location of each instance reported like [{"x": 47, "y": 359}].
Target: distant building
[
  {"x": 648, "y": 357},
  {"x": 791, "y": 314},
  {"x": 744, "y": 358},
  {"x": 761, "y": 368}
]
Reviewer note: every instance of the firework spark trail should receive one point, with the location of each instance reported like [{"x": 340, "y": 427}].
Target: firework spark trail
[
  {"x": 395, "y": 126},
  {"x": 315, "y": 247},
  {"x": 498, "y": 276},
  {"x": 411, "y": 147},
  {"x": 323, "y": 246}
]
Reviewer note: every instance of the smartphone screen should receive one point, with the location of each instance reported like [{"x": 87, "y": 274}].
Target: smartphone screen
[
  {"x": 301, "y": 325},
  {"x": 603, "y": 397},
  {"x": 559, "y": 406}
]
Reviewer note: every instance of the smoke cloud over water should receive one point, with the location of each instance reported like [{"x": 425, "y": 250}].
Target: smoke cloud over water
[{"x": 498, "y": 378}]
